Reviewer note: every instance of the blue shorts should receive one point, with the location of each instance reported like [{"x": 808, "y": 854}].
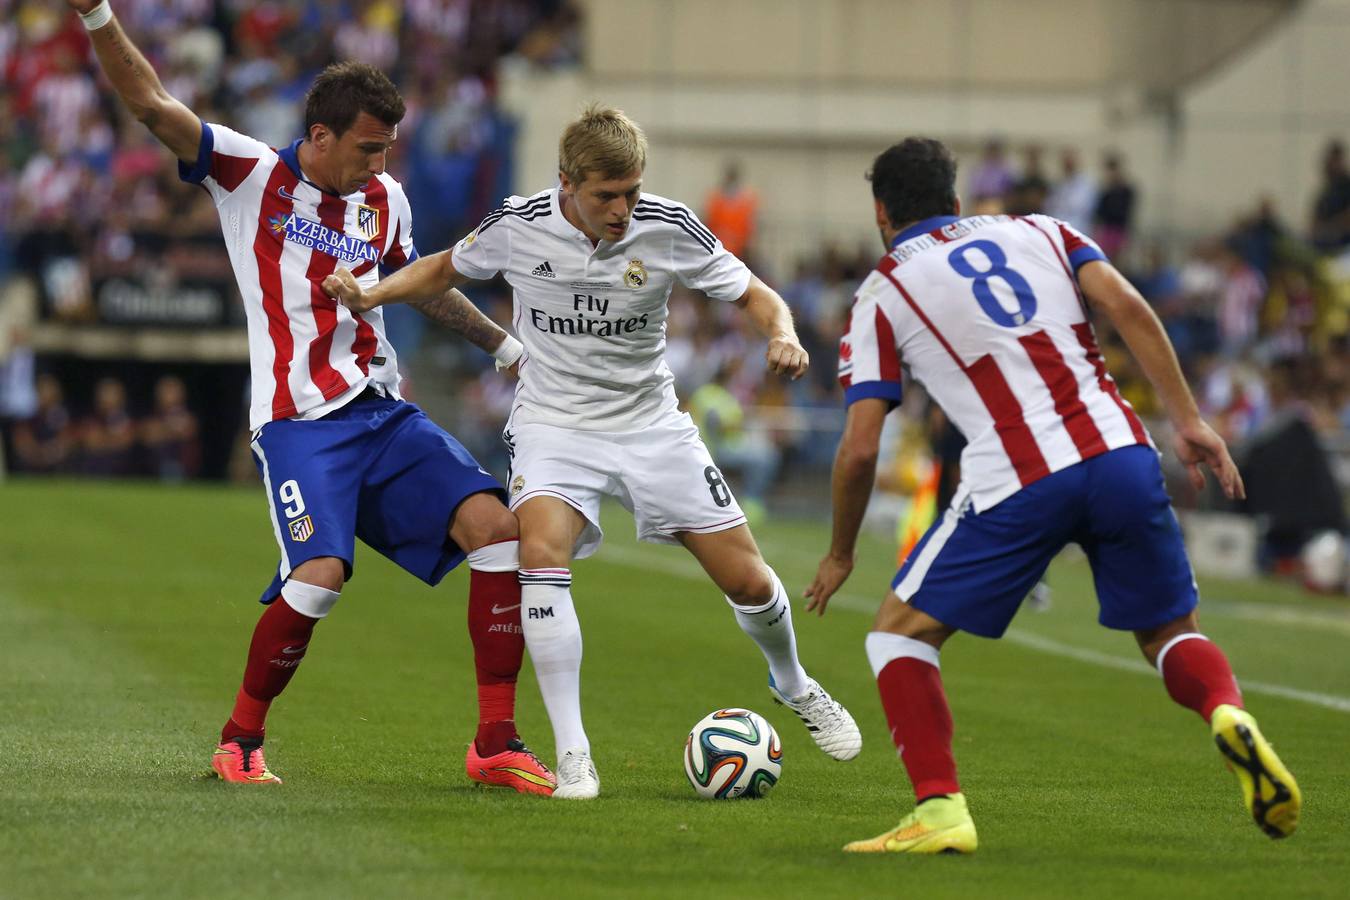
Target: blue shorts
[
  {"x": 375, "y": 469},
  {"x": 971, "y": 571}
]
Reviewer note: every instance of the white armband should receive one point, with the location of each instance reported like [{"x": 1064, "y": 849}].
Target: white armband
[
  {"x": 508, "y": 353},
  {"x": 97, "y": 17}
]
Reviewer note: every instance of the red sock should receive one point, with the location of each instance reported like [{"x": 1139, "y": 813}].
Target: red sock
[
  {"x": 921, "y": 724},
  {"x": 278, "y": 645},
  {"x": 498, "y": 648},
  {"x": 1198, "y": 676}
]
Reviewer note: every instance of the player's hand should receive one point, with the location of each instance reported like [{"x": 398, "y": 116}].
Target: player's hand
[
  {"x": 82, "y": 6},
  {"x": 1197, "y": 444},
  {"x": 343, "y": 288},
  {"x": 786, "y": 356},
  {"x": 830, "y": 576}
]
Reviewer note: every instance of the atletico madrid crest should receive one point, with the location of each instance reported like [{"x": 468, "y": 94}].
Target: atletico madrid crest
[
  {"x": 301, "y": 529},
  {"x": 367, "y": 221}
]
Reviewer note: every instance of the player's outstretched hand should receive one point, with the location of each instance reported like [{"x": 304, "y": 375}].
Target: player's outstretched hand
[
  {"x": 830, "y": 576},
  {"x": 343, "y": 288},
  {"x": 1197, "y": 444},
  {"x": 786, "y": 356},
  {"x": 82, "y": 6}
]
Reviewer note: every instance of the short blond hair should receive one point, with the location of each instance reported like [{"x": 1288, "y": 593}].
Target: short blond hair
[{"x": 603, "y": 141}]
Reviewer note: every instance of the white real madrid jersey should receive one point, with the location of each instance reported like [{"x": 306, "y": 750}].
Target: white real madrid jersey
[
  {"x": 985, "y": 312},
  {"x": 593, "y": 318}
]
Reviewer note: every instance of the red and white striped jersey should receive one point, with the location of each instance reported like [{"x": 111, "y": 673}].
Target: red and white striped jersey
[
  {"x": 308, "y": 355},
  {"x": 985, "y": 312}
]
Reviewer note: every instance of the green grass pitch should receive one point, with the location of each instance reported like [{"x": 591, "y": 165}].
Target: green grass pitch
[{"x": 125, "y": 612}]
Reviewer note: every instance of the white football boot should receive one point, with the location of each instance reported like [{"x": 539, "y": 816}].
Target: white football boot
[
  {"x": 832, "y": 728},
  {"x": 576, "y": 777}
]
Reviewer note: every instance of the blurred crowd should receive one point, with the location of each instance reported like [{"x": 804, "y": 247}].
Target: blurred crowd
[
  {"x": 97, "y": 228},
  {"x": 106, "y": 440},
  {"x": 1259, "y": 314},
  {"x": 89, "y": 200}
]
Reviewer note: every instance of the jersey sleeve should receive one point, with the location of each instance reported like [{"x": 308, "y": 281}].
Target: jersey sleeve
[
  {"x": 224, "y": 159},
  {"x": 702, "y": 263},
  {"x": 1080, "y": 248},
  {"x": 401, "y": 249},
  {"x": 486, "y": 250},
  {"x": 869, "y": 360}
]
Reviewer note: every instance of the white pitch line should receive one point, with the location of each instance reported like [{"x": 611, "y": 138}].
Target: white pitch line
[
  {"x": 1055, "y": 648},
  {"x": 1046, "y": 645},
  {"x": 1270, "y": 614},
  {"x": 686, "y": 567}
]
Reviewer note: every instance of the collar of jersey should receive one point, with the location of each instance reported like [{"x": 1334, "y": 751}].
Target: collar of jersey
[
  {"x": 556, "y": 220},
  {"x": 291, "y": 157},
  {"x": 558, "y": 224},
  {"x": 922, "y": 227}
]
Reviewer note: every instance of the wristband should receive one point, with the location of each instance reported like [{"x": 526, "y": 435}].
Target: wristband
[
  {"x": 97, "y": 17},
  {"x": 508, "y": 352}
]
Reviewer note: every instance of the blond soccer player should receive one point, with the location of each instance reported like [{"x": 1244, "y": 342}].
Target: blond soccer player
[{"x": 592, "y": 263}]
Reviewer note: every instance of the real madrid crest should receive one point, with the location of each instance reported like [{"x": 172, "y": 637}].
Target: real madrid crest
[
  {"x": 635, "y": 276},
  {"x": 517, "y": 484}
]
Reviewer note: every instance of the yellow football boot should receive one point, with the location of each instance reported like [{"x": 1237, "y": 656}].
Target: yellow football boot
[
  {"x": 940, "y": 825},
  {"x": 1270, "y": 792}
]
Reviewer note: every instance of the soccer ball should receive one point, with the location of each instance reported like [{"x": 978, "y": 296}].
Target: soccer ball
[
  {"x": 1325, "y": 566},
  {"x": 733, "y": 753}
]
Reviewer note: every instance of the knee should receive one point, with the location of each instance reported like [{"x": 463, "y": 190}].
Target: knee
[
  {"x": 897, "y": 617},
  {"x": 481, "y": 520},
  {"x": 327, "y": 572},
  {"x": 540, "y": 551},
  {"x": 1152, "y": 640},
  {"x": 750, "y": 587}
]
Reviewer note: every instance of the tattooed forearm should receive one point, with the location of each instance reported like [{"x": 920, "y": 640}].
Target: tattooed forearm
[
  {"x": 133, "y": 62},
  {"x": 457, "y": 312}
]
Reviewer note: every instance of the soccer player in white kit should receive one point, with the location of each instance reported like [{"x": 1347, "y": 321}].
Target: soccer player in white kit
[
  {"x": 592, "y": 263},
  {"x": 990, "y": 314}
]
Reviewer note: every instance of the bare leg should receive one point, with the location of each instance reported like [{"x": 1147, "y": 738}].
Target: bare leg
[{"x": 762, "y": 607}]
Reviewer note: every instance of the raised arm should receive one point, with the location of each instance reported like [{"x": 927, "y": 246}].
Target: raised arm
[
  {"x": 1195, "y": 442},
  {"x": 855, "y": 471},
  {"x": 773, "y": 319},
  {"x": 135, "y": 81}
]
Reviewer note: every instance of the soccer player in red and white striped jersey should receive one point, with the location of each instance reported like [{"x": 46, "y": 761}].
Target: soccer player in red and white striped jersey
[
  {"x": 991, "y": 315},
  {"x": 340, "y": 453}
]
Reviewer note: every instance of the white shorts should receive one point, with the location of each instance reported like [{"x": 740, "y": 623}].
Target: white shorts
[{"x": 662, "y": 474}]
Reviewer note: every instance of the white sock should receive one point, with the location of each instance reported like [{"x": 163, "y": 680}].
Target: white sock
[
  {"x": 316, "y": 602},
  {"x": 553, "y": 637},
  {"x": 770, "y": 626},
  {"x": 883, "y": 647}
]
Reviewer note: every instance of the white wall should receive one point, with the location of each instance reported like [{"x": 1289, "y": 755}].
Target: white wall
[
  {"x": 1259, "y": 125},
  {"x": 804, "y": 150},
  {"x": 805, "y": 94}
]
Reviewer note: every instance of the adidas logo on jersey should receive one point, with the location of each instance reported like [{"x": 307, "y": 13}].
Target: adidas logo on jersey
[{"x": 543, "y": 270}]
